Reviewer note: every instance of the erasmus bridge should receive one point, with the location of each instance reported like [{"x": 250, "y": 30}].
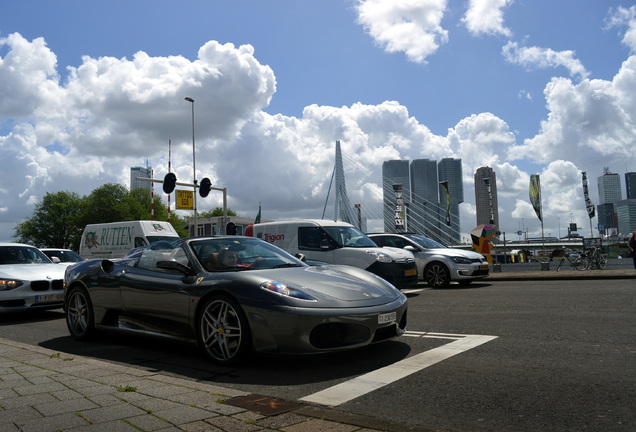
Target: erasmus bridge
[
  {"x": 374, "y": 207},
  {"x": 363, "y": 205}
]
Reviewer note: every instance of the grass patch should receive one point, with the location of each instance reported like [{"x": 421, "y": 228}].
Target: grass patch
[{"x": 126, "y": 389}]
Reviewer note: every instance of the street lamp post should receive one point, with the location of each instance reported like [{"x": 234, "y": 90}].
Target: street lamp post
[{"x": 194, "y": 170}]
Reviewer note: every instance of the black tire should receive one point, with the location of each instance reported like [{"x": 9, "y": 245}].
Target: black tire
[
  {"x": 80, "y": 318},
  {"x": 437, "y": 275},
  {"x": 224, "y": 332},
  {"x": 581, "y": 263}
]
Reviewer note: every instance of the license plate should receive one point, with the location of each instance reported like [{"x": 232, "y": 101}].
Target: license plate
[
  {"x": 387, "y": 318},
  {"x": 412, "y": 272},
  {"x": 483, "y": 267},
  {"x": 49, "y": 298}
]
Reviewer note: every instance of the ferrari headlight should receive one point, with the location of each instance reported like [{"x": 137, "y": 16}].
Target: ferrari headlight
[
  {"x": 461, "y": 260},
  {"x": 285, "y": 290},
  {"x": 9, "y": 284},
  {"x": 380, "y": 256}
]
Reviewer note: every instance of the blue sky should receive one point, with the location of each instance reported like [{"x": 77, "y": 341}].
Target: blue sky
[{"x": 528, "y": 87}]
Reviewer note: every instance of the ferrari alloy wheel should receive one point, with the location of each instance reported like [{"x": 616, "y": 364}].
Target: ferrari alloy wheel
[
  {"x": 437, "y": 275},
  {"x": 79, "y": 314},
  {"x": 223, "y": 331}
]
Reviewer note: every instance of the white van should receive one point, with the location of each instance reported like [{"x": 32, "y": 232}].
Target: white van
[
  {"x": 339, "y": 243},
  {"x": 116, "y": 239}
]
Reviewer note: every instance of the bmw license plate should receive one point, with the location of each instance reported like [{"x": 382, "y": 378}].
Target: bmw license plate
[
  {"x": 49, "y": 298},
  {"x": 411, "y": 272},
  {"x": 387, "y": 318}
]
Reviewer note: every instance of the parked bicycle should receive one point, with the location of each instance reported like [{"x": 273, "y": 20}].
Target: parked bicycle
[
  {"x": 597, "y": 259},
  {"x": 579, "y": 262}
]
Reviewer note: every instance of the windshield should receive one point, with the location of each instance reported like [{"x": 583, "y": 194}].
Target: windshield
[
  {"x": 64, "y": 255},
  {"x": 425, "y": 242},
  {"x": 241, "y": 253},
  {"x": 155, "y": 239},
  {"x": 22, "y": 255},
  {"x": 349, "y": 236}
]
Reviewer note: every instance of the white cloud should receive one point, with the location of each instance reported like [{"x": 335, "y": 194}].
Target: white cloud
[
  {"x": 621, "y": 17},
  {"x": 486, "y": 16},
  {"x": 542, "y": 58},
  {"x": 588, "y": 120},
  {"x": 409, "y": 26},
  {"x": 112, "y": 114}
]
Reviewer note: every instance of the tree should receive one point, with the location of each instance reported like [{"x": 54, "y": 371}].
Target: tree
[
  {"x": 107, "y": 203},
  {"x": 59, "y": 220},
  {"x": 55, "y": 222},
  {"x": 217, "y": 211}
]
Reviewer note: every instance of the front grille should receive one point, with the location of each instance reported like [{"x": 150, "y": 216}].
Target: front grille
[
  {"x": 12, "y": 303},
  {"x": 45, "y": 285},
  {"x": 480, "y": 273},
  {"x": 336, "y": 335}
]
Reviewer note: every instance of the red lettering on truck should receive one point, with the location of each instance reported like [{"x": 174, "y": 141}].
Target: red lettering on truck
[{"x": 271, "y": 238}]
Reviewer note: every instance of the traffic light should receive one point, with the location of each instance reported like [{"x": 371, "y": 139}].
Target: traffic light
[
  {"x": 204, "y": 188},
  {"x": 169, "y": 183}
]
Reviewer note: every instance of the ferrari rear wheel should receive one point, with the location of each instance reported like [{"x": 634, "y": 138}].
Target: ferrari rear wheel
[
  {"x": 224, "y": 332},
  {"x": 437, "y": 275},
  {"x": 79, "y": 314}
]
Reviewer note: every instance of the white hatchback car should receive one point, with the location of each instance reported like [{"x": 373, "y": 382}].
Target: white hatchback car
[
  {"x": 29, "y": 279},
  {"x": 438, "y": 265},
  {"x": 65, "y": 256}
]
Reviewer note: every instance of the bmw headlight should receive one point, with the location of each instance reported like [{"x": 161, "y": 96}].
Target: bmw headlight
[
  {"x": 461, "y": 260},
  {"x": 9, "y": 284},
  {"x": 380, "y": 256},
  {"x": 285, "y": 290}
]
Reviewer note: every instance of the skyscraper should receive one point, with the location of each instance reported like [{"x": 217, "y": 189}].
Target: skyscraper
[
  {"x": 609, "y": 192},
  {"x": 626, "y": 216},
  {"x": 394, "y": 172},
  {"x": 609, "y": 188},
  {"x": 450, "y": 170},
  {"x": 424, "y": 207},
  {"x": 630, "y": 185},
  {"x": 486, "y": 197},
  {"x": 144, "y": 172}
]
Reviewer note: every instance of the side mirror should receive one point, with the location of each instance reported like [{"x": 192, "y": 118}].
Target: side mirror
[
  {"x": 411, "y": 248},
  {"x": 301, "y": 257},
  {"x": 56, "y": 260}
]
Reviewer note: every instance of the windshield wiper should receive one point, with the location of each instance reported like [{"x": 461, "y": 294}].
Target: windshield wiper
[{"x": 287, "y": 265}]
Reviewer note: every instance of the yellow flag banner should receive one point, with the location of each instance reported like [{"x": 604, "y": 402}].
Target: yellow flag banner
[
  {"x": 535, "y": 195},
  {"x": 444, "y": 186}
]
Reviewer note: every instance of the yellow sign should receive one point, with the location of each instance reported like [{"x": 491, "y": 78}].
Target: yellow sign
[{"x": 185, "y": 200}]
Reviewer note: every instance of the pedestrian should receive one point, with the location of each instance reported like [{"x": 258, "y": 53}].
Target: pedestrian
[{"x": 631, "y": 244}]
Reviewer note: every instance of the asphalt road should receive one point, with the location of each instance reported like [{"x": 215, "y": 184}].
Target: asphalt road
[{"x": 560, "y": 356}]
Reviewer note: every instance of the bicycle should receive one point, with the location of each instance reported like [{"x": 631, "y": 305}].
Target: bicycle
[
  {"x": 597, "y": 259},
  {"x": 580, "y": 262}
]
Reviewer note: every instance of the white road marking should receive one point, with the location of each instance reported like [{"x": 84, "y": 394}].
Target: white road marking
[{"x": 366, "y": 383}]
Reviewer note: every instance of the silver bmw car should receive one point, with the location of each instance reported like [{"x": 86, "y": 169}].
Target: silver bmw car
[
  {"x": 29, "y": 279},
  {"x": 233, "y": 295}
]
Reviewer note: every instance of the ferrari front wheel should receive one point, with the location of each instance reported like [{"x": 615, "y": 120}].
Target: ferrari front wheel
[{"x": 224, "y": 332}]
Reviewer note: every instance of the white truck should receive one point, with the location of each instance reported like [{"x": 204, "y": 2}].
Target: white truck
[
  {"x": 339, "y": 243},
  {"x": 116, "y": 239}
]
